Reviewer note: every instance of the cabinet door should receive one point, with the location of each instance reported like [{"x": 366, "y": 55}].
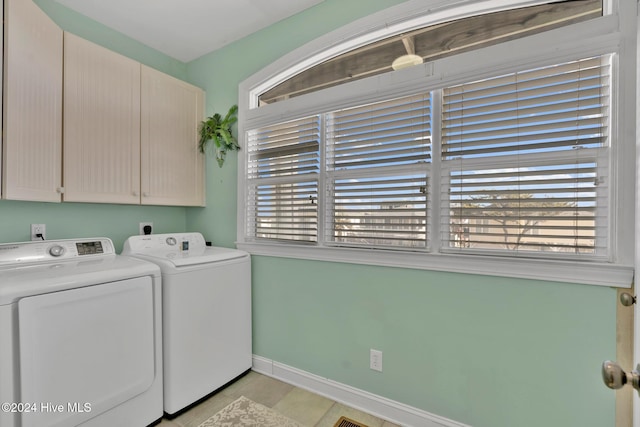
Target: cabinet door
[
  {"x": 32, "y": 145},
  {"x": 172, "y": 166},
  {"x": 101, "y": 124}
]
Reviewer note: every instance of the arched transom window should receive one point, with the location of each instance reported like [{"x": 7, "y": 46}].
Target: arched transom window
[{"x": 433, "y": 42}]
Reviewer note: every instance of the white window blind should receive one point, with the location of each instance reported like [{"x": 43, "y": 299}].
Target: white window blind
[
  {"x": 525, "y": 161},
  {"x": 377, "y": 168},
  {"x": 283, "y": 167}
]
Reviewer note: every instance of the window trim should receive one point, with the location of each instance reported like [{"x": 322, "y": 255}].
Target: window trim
[
  {"x": 581, "y": 39},
  {"x": 589, "y": 273}
]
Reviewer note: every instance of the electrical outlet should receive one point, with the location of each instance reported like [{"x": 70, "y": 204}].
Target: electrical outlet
[
  {"x": 38, "y": 232},
  {"x": 375, "y": 360},
  {"x": 145, "y": 224}
]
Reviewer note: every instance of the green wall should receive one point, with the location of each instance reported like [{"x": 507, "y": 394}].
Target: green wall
[
  {"x": 485, "y": 351},
  {"x": 67, "y": 220}
]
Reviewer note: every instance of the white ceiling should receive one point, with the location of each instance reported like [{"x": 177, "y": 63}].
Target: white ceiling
[{"x": 187, "y": 29}]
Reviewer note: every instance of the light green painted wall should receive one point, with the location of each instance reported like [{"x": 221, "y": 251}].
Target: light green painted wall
[
  {"x": 68, "y": 220},
  {"x": 486, "y": 351}
]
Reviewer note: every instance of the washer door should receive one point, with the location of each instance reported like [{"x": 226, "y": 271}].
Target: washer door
[{"x": 85, "y": 351}]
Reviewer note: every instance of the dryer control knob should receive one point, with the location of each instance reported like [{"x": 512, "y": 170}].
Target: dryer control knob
[
  {"x": 56, "y": 250},
  {"x": 171, "y": 241}
]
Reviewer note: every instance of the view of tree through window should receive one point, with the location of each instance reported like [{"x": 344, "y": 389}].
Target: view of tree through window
[{"x": 544, "y": 132}]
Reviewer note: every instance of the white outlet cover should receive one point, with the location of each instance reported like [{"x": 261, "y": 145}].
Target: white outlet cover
[
  {"x": 375, "y": 360},
  {"x": 38, "y": 229}
]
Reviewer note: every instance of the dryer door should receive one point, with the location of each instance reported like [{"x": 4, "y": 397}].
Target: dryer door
[{"x": 84, "y": 351}]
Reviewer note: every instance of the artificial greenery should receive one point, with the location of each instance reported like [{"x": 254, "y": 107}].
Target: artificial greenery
[{"x": 218, "y": 129}]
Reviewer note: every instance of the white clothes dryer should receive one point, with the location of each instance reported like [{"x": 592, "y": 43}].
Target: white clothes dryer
[
  {"x": 81, "y": 334},
  {"x": 206, "y": 311}
]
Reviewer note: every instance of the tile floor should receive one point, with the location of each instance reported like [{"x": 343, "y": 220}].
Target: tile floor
[{"x": 305, "y": 407}]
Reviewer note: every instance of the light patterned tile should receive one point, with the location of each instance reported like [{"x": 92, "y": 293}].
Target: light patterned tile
[
  {"x": 231, "y": 390},
  {"x": 167, "y": 423},
  {"x": 259, "y": 388},
  {"x": 196, "y": 415},
  {"x": 339, "y": 410},
  {"x": 303, "y": 406}
]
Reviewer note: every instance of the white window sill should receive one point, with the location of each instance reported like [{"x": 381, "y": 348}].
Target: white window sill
[{"x": 580, "y": 272}]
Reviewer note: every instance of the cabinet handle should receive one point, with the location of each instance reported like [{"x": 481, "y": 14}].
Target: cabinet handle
[
  {"x": 135, "y": 193},
  {"x": 60, "y": 190},
  {"x": 145, "y": 194}
]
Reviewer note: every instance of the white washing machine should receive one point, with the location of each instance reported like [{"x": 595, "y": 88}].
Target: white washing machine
[
  {"x": 206, "y": 312},
  {"x": 81, "y": 334}
]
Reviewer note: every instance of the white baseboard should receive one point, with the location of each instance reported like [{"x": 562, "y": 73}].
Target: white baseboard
[{"x": 370, "y": 403}]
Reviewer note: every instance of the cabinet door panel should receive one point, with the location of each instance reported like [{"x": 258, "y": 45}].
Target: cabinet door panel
[
  {"x": 32, "y": 145},
  {"x": 172, "y": 166},
  {"x": 101, "y": 124}
]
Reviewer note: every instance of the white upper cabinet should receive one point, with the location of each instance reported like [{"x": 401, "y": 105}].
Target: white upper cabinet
[
  {"x": 101, "y": 124},
  {"x": 172, "y": 166},
  {"x": 32, "y": 104},
  {"x": 130, "y": 133}
]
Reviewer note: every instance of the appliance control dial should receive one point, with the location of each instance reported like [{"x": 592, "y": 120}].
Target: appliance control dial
[
  {"x": 56, "y": 250},
  {"x": 171, "y": 241}
]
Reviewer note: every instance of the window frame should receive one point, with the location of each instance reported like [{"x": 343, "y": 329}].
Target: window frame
[{"x": 578, "y": 41}]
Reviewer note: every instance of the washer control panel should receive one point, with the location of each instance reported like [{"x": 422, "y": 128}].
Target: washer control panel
[
  {"x": 90, "y": 248},
  {"x": 165, "y": 243},
  {"x": 52, "y": 250}
]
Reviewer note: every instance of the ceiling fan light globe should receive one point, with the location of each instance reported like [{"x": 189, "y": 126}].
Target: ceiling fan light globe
[{"x": 406, "y": 61}]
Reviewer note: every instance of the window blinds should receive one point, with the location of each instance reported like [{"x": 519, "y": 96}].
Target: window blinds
[
  {"x": 525, "y": 160},
  {"x": 390, "y": 133},
  {"x": 523, "y": 167},
  {"x": 377, "y": 173},
  {"x": 283, "y": 165}
]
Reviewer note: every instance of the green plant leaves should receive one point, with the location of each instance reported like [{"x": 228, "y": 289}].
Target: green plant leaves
[{"x": 218, "y": 129}]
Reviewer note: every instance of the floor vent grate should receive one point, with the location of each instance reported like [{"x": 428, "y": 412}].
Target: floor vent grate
[{"x": 347, "y": 422}]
